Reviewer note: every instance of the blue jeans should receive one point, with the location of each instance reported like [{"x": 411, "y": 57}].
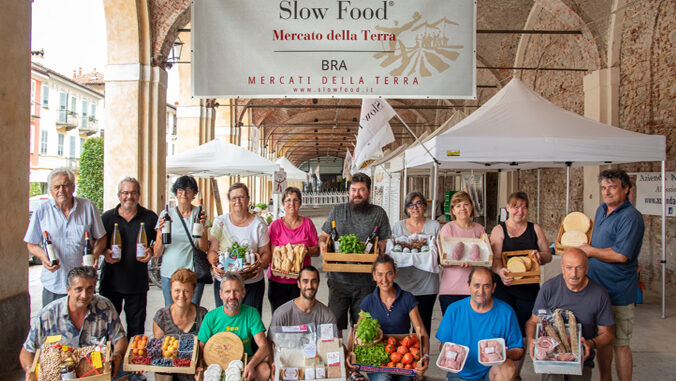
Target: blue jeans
[
  {"x": 388, "y": 377},
  {"x": 455, "y": 377},
  {"x": 166, "y": 292}
]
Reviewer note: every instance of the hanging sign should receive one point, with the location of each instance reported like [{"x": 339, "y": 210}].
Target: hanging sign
[
  {"x": 279, "y": 182},
  {"x": 334, "y": 48},
  {"x": 648, "y": 197}
]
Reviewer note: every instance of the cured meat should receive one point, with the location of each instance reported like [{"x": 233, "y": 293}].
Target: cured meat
[
  {"x": 474, "y": 252},
  {"x": 452, "y": 356},
  {"x": 545, "y": 347},
  {"x": 565, "y": 357},
  {"x": 490, "y": 351},
  {"x": 458, "y": 251}
]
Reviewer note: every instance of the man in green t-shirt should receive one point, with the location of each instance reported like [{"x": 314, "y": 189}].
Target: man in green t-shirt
[{"x": 243, "y": 321}]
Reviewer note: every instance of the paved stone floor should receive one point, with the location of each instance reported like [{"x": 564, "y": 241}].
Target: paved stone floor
[{"x": 653, "y": 342}]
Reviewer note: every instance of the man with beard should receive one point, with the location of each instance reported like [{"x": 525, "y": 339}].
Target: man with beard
[
  {"x": 306, "y": 308},
  {"x": 242, "y": 320},
  {"x": 481, "y": 317},
  {"x": 358, "y": 216},
  {"x": 80, "y": 319},
  {"x": 573, "y": 290}
]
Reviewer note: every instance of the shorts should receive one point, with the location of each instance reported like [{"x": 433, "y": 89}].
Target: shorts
[{"x": 624, "y": 324}]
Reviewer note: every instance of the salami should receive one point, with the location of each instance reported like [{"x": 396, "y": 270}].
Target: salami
[
  {"x": 458, "y": 251},
  {"x": 474, "y": 252}
]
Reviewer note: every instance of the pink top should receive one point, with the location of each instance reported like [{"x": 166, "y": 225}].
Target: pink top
[
  {"x": 454, "y": 278},
  {"x": 281, "y": 234}
]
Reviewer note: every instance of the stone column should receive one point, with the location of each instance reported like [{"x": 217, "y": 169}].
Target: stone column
[{"x": 15, "y": 21}]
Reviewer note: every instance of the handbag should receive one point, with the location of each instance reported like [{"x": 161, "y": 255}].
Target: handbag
[{"x": 199, "y": 258}]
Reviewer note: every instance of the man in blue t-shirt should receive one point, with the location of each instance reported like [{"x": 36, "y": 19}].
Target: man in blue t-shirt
[
  {"x": 572, "y": 290},
  {"x": 613, "y": 262},
  {"x": 477, "y": 318}
]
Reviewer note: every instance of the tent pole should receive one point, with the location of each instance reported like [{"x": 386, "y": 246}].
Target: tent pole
[
  {"x": 567, "y": 185},
  {"x": 537, "y": 216},
  {"x": 405, "y": 174},
  {"x": 664, "y": 236},
  {"x": 485, "y": 201},
  {"x": 217, "y": 195},
  {"x": 418, "y": 139},
  {"x": 434, "y": 190}
]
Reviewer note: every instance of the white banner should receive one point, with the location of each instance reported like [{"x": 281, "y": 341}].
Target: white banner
[
  {"x": 279, "y": 182},
  {"x": 334, "y": 48},
  {"x": 375, "y": 131},
  {"x": 347, "y": 165},
  {"x": 649, "y": 193}
]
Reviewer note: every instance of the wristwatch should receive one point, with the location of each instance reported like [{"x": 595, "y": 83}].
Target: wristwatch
[{"x": 593, "y": 341}]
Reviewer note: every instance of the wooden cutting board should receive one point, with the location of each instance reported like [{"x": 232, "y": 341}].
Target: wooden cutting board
[{"x": 222, "y": 348}]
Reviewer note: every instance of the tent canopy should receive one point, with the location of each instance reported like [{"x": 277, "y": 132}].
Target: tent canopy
[
  {"x": 517, "y": 128},
  {"x": 218, "y": 158},
  {"x": 292, "y": 172}
]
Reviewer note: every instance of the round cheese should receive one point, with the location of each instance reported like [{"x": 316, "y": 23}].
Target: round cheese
[
  {"x": 516, "y": 265},
  {"x": 576, "y": 221},
  {"x": 573, "y": 238},
  {"x": 528, "y": 262}
]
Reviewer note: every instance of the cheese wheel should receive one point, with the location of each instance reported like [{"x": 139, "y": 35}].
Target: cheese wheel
[
  {"x": 528, "y": 262},
  {"x": 516, "y": 265},
  {"x": 573, "y": 238},
  {"x": 576, "y": 221}
]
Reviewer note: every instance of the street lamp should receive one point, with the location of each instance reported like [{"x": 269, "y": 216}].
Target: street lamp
[{"x": 175, "y": 52}]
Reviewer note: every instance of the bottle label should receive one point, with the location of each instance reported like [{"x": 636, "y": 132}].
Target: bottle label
[
  {"x": 117, "y": 251},
  {"x": 368, "y": 248},
  {"x": 197, "y": 230},
  {"x": 88, "y": 260},
  {"x": 50, "y": 253},
  {"x": 166, "y": 229},
  {"x": 140, "y": 250},
  {"x": 336, "y": 247},
  {"x": 68, "y": 375}
]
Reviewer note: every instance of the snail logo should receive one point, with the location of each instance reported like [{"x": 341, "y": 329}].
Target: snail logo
[{"x": 420, "y": 47}]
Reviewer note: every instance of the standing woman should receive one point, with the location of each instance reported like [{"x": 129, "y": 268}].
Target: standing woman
[
  {"x": 518, "y": 234},
  {"x": 293, "y": 229},
  {"x": 178, "y": 254},
  {"x": 454, "y": 278},
  {"x": 422, "y": 284},
  {"x": 238, "y": 226}
]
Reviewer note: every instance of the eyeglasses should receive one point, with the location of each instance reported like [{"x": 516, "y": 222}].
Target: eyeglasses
[
  {"x": 132, "y": 193},
  {"x": 238, "y": 198},
  {"x": 186, "y": 190},
  {"x": 417, "y": 204},
  {"x": 292, "y": 200}
]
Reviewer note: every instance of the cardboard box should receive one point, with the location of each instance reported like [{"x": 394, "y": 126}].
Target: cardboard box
[{"x": 105, "y": 376}]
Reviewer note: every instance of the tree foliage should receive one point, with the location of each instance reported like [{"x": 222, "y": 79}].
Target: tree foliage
[
  {"x": 90, "y": 181},
  {"x": 36, "y": 189}
]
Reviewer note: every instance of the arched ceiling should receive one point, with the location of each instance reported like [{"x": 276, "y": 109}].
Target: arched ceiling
[{"x": 550, "y": 44}]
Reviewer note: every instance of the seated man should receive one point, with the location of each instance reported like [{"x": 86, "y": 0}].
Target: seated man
[
  {"x": 306, "y": 308},
  {"x": 242, "y": 320},
  {"x": 481, "y": 317},
  {"x": 80, "y": 319},
  {"x": 573, "y": 290}
]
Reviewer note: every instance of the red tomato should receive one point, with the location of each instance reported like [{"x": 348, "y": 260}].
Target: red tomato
[
  {"x": 415, "y": 352},
  {"x": 413, "y": 338},
  {"x": 389, "y": 348},
  {"x": 390, "y": 364},
  {"x": 417, "y": 345},
  {"x": 392, "y": 341},
  {"x": 395, "y": 357},
  {"x": 402, "y": 349},
  {"x": 407, "y": 359},
  {"x": 409, "y": 366},
  {"x": 406, "y": 341},
  {"x": 399, "y": 365}
]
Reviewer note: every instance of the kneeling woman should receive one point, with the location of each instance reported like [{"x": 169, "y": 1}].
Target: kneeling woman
[{"x": 395, "y": 310}]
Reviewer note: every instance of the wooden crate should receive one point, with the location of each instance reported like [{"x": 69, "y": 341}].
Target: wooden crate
[
  {"x": 129, "y": 367},
  {"x": 559, "y": 248},
  {"x": 532, "y": 276},
  {"x": 105, "y": 376},
  {"x": 349, "y": 263},
  {"x": 483, "y": 242}
]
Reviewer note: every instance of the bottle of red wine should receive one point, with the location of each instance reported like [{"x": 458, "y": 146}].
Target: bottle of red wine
[
  {"x": 49, "y": 248},
  {"x": 370, "y": 241},
  {"x": 197, "y": 227},
  {"x": 166, "y": 228},
  {"x": 334, "y": 237}
]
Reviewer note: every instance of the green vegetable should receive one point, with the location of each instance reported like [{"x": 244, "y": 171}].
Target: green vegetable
[
  {"x": 239, "y": 249},
  {"x": 262, "y": 205},
  {"x": 350, "y": 243},
  {"x": 367, "y": 328},
  {"x": 373, "y": 355}
]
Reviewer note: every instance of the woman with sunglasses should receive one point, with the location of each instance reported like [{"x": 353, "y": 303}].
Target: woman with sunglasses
[
  {"x": 293, "y": 229},
  {"x": 422, "y": 284},
  {"x": 178, "y": 255},
  {"x": 454, "y": 278},
  {"x": 238, "y": 226}
]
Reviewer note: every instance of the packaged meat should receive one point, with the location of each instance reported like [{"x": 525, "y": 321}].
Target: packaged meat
[
  {"x": 545, "y": 347},
  {"x": 474, "y": 252},
  {"x": 458, "y": 251},
  {"x": 492, "y": 351},
  {"x": 452, "y": 357}
]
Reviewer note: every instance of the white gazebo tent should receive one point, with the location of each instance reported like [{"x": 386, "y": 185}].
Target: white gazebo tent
[
  {"x": 219, "y": 158},
  {"x": 292, "y": 172},
  {"x": 518, "y": 128}
]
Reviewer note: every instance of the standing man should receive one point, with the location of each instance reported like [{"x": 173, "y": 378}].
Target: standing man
[
  {"x": 481, "y": 317},
  {"x": 360, "y": 217},
  {"x": 572, "y": 290},
  {"x": 613, "y": 262},
  {"x": 125, "y": 280},
  {"x": 65, "y": 218}
]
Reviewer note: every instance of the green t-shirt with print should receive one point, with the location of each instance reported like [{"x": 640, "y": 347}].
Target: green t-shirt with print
[{"x": 246, "y": 324}]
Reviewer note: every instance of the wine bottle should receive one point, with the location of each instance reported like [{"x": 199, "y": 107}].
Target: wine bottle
[
  {"x": 371, "y": 240},
  {"x": 197, "y": 227},
  {"x": 88, "y": 254},
  {"x": 166, "y": 229},
  {"x": 49, "y": 248},
  {"x": 334, "y": 237},
  {"x": 141, "y": 242},
  {"x": 116, "y": 243}
]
